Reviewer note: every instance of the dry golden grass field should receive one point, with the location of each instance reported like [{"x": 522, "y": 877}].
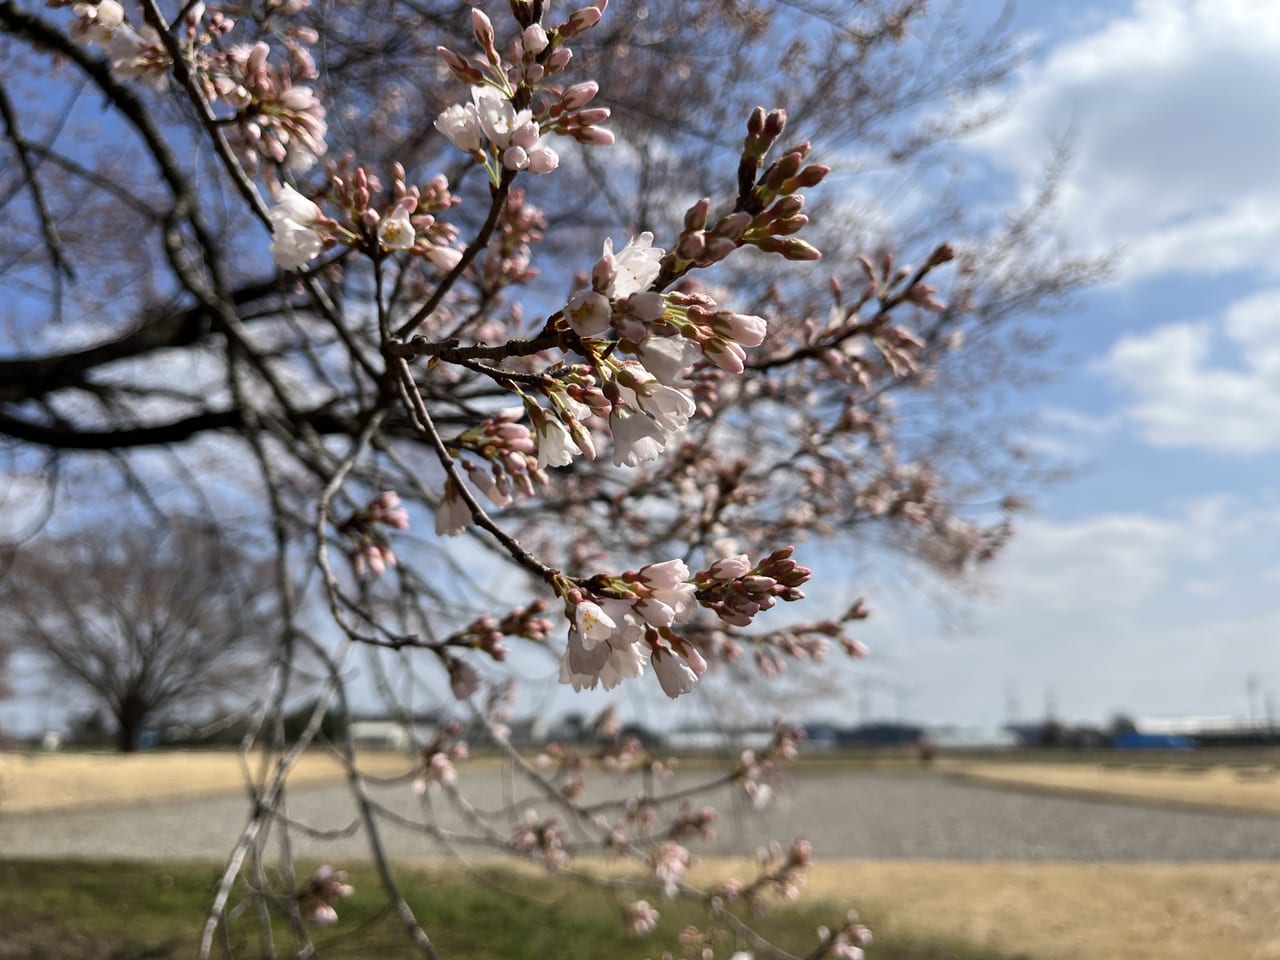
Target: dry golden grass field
[
  {"x": 1237, "y": 787},
  {"x": 1068, "y": 911},
  {"x": 65, "y": 781},
  {"x": 1057, "y": 911}
]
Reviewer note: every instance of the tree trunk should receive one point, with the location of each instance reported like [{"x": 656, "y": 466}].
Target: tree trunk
[{"x": 129, "y": 719}]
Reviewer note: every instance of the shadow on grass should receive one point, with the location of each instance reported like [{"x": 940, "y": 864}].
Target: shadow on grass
[{"x": 130, "y": 911}]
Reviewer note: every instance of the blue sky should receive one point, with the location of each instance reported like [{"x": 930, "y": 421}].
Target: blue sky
[{"x": 1150, "y": 581}]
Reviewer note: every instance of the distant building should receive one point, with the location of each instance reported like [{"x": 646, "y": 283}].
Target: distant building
[
  {"x": 1194, "y": 725},
  {"x": 1212, "y": 731},
  {"x": 1137, "y": 740},
  {"x": 881, "y": 735},
  {"x": 709, "y": 738},
  {"x": 391, "y": 734},
  {"x": 970, "y": 738}
]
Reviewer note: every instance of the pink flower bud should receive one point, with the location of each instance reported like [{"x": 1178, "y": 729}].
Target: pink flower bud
[
  {"x": 543, "y": 160},
  {"x": 594, "y": 136},
  {"x": 482, "y": 27},
  {"x": 579, "y": 95},
  {"x": 535, "y": 39},
  {"x": 695, "y": 217},
  {"x": 583, "y": 19},
  {"x": 589, "y": 118}
]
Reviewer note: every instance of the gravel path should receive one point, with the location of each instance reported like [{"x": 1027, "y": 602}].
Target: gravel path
[{"x": 872, "y": 815}]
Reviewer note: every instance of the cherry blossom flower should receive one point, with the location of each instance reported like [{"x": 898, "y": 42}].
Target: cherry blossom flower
[
  {"x": 589, "y": 313},
  {"x": 542, "y": 159},
  {"x": 396, "y": 232},
  {"x": 295, "y": 240},
  {"x": 555, "y": 444},
  {"x": 670, "y": 866},
  {"x": 674, "y": 674},
  {"x": 593, "y": 623},
  {"x": 452, "y": 515},
  {"x": 669, "y": 407},
  {"x": 636, "y": 438},
  {"x": 625, "y": 662},
  {"x": 499, "y": 119},
  {"x": 633, "y": 268},
  {"x": 666, "y": 575},
  {"x": 640, "y": 918},
  {"x": 316, "y": 899},
  {"x": 460, "y": 123},
  {"x": 667, "y": 357}
]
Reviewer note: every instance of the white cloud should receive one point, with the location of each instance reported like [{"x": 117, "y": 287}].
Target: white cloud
[
  {"x": 1112, "y": 562},
  {"x": 1174, "y": 127},
  {"x": 1153, "y": 611},
  {"x": 1181, "y": 395}
]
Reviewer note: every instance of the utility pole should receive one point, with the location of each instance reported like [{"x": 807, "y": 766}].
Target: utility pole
[{"x": 1012, "y": 709}]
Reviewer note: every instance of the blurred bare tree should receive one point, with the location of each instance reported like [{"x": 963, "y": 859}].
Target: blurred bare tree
[{"x": 150, "y": 625}]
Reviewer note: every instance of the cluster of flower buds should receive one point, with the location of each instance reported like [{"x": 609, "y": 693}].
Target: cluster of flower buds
[
  {"x": 514, "y": 464},
  {"x": 509, "y": 259},
  {"x": 408, "y": 223},
  {"x": 616, "y": 277},
  {"x": 755, "y": 770},
  {"x": 698, "y": 944},
  {"x": 888, "y": 282},
  {"x": 498, "y": 127},
  {"x": 619, "y": 624},
  {"x": 366, "y": 529},
  {"x": 487, "y": 632},
  {"x": 666, "y": 332},
  {"x": 847, "y": 943},
  {"x": 438, "y": 758},
  {"x": 721, "y": 335},
  {"x": 325, "y": 888},
  {"x": 782, "y": 873},
  {"x": 278, "y": 117},
  {"x": 571, "y": 117},
  {"x": 540, "y": 839},
  {"x": 736, "y": 590},
  {"x": 300, "y": 231},
  {"x": 134, "y": 54},
  {"x": 639, "y": 918},
  {"x": 689, "y": 822},
  {"x": 493, "y": 131},
  {"x": 567, "y": 768},
  {"x": 670, "y": 864},
  {"x": 612, "y": 637},
  {"x": 803, "y": 641},
  {"x": 701, "y": 245},
  {"x": 629, "y": 755}
]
